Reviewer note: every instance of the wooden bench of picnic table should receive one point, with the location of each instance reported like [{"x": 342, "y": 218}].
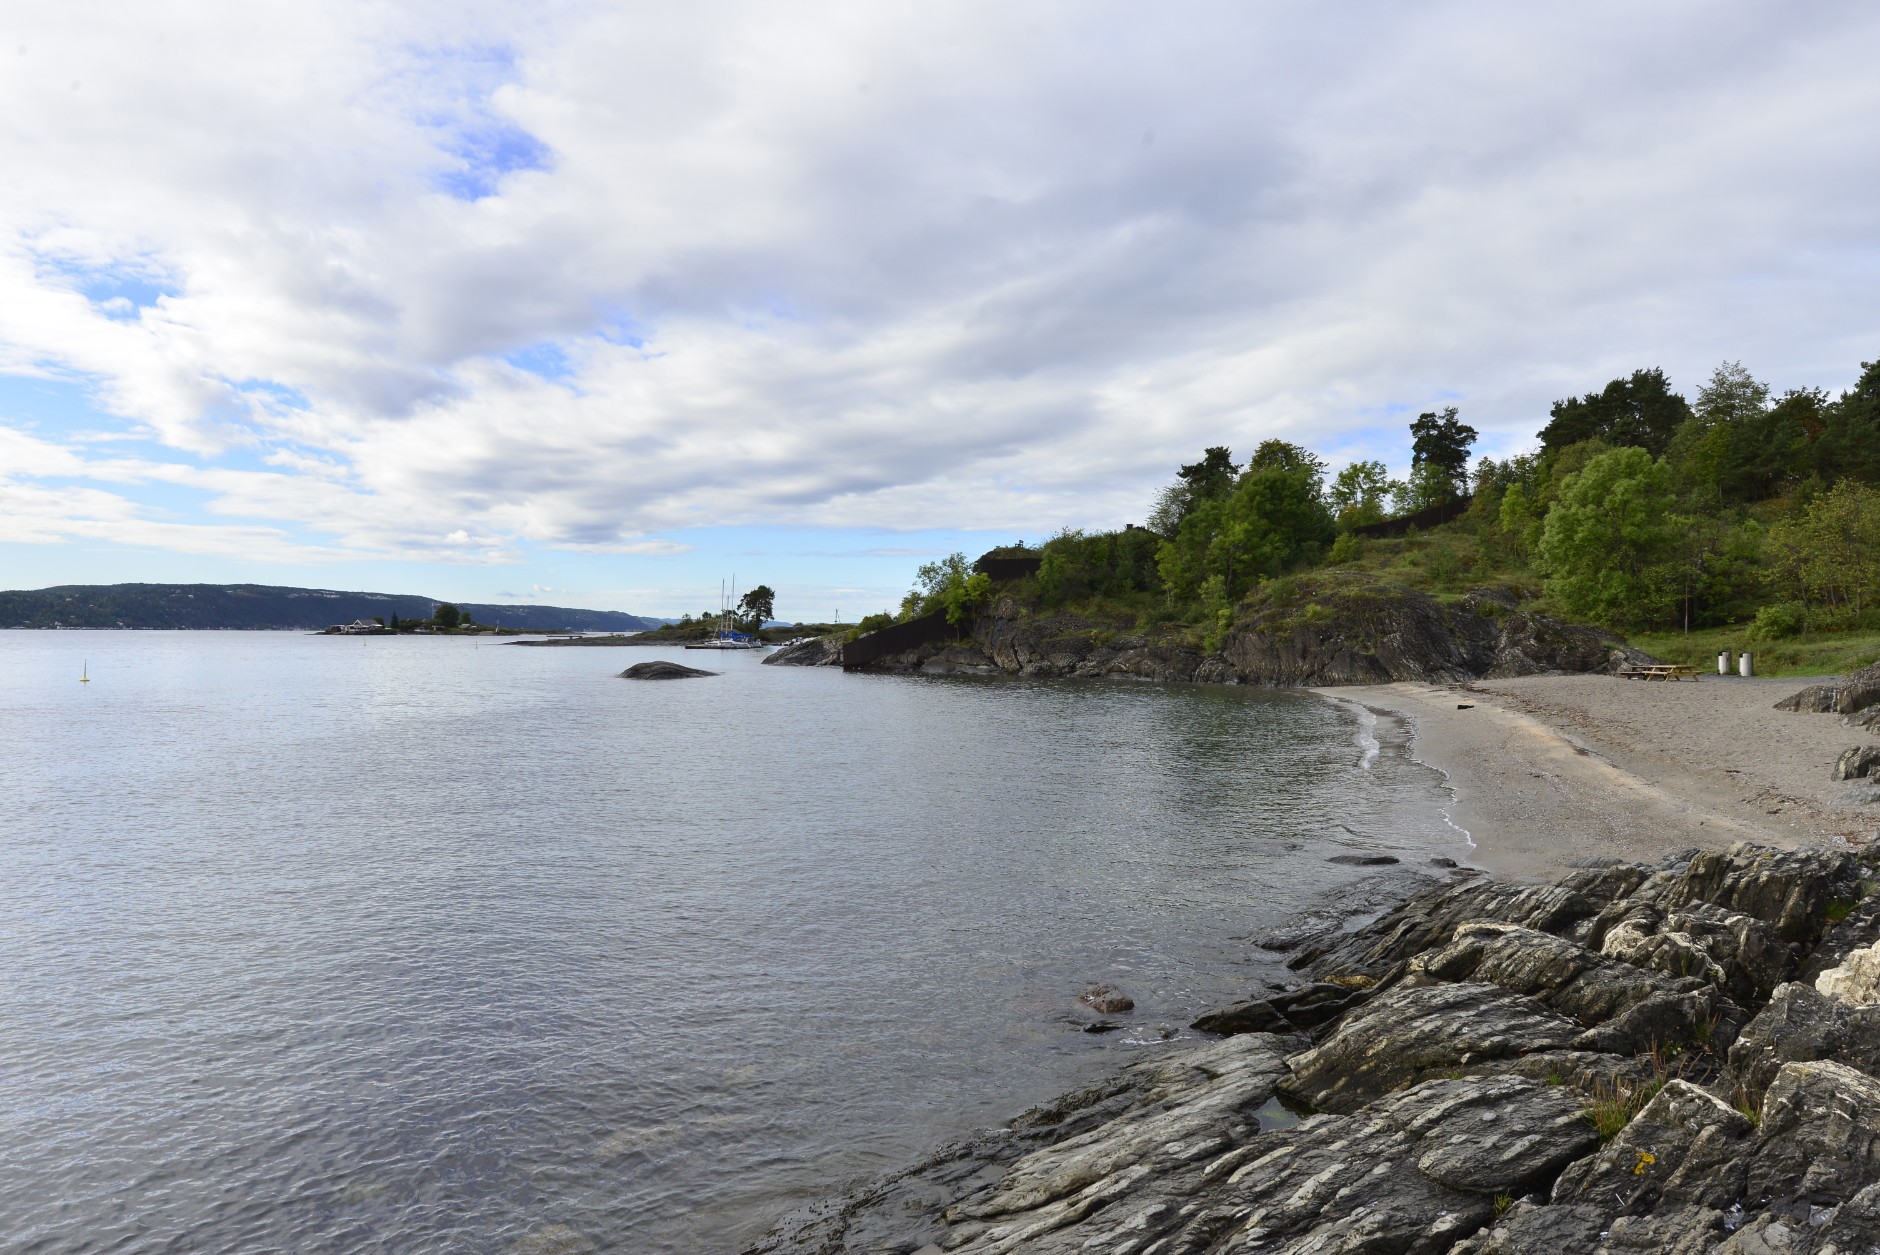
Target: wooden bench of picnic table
[{"x": 1661, "y": 671}]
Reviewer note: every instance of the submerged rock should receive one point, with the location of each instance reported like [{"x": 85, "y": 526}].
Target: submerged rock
[
  {"x": 1106, "y": 1000},
  {"x": 662, "y": 671}
]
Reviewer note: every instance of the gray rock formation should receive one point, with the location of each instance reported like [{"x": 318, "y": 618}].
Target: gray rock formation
[
  {"x": 1816, "y": 699},
  {"x": 817, "y": 651},
  {"x": 662, "y": 671},
  {"x": 1616, "y": 1063},
  {"x": 1857, "y": 763},
  {"x": 1850, "y": 696}
]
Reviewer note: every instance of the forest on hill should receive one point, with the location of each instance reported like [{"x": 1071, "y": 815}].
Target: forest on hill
[
  {"x": 1640, "y": 510},
  {"x": 263, "y": 607}
]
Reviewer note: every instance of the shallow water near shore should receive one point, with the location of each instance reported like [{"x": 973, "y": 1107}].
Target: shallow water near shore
[{"x": 443, "y": 945}]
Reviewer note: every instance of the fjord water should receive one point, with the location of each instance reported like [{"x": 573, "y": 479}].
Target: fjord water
[{"x": 329, "y": 944}]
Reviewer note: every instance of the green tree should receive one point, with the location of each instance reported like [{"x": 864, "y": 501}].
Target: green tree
[
  {"x": 951, "y": 585},
  {"x": 1605, "y": 543},
  {"x": 1283, "y": 455},
  {"x": 1429, "y": 484},
  {"x": 1849, "y": 441},
  {"x": 1076, "y": 564},
  {"x": 758, "y": 607},
  {"x": 1360, "y": 494},
  {"x": 1210, "y": 479},
  {"x": 964, "y": 598},
  {"x": 1441, "y": 441},
  {"x": 1730, "y": 414},
  {"x": 446, "y": 615},
  {"x": 1831, "y": 554},
  {"x": 1519, "y": 517},
  {"x": 1639, "y": 411},
  {"x": 1273, "y": 519}
]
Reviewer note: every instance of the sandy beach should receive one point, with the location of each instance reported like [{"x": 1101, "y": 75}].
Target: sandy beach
[{"x": 1549, "y": 769}]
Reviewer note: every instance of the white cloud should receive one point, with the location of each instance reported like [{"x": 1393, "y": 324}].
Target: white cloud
[{"x": 975, "y": 265}]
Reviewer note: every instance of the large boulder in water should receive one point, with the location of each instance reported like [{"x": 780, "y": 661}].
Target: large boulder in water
[{"x": 661, "y": 671}]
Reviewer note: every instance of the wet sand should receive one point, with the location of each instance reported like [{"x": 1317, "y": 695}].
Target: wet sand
[{"x": 1549, "y": 769}]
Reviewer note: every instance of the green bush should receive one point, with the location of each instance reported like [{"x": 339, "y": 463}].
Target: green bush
[
  {"x": 1777, "y": 622},
  {"x": 1347, "y": 548},
  {"x": 871, "y": 623}
]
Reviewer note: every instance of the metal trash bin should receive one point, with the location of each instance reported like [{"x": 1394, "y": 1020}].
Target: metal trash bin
[
  {"x": 1723, "y": 662},
  {"x": 1744, "y": 667}
]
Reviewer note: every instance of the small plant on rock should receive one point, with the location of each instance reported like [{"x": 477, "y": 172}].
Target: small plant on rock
[{"x": 1614, "y": 1101}]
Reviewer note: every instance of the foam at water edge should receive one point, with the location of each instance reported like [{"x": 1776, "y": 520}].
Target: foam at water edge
[{"x": 1366, "y": 739}]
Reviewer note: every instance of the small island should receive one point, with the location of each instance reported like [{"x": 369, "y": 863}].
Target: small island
[{"x": 446, "y": 620}]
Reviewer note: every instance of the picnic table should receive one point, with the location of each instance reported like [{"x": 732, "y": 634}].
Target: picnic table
[{"x": 1661, "y": 671}]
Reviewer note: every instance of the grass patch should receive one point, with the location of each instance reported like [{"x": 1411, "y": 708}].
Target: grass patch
[
  {"x": 1838, "y": 911},
  {"x": 1817, "y": 653},
  {"x": 1613, "y": 1103}
]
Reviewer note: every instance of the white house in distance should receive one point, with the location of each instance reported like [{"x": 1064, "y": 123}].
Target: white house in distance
[{"x": 358, "y": 627}]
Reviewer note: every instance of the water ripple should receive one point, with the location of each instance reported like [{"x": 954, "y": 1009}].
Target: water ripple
[{"x": 419, "y": 947}]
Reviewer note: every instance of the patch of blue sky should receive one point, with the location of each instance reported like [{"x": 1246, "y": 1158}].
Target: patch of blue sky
[
  {"x": 118, "y": 291},
  {"x": 486, "y": 152},
  {"x": 617, "y": 326},
  {"x": 482, "y": 147},
  {"x": 58, "y": 405},
  {"x": 1367, "y": 441},
  {"x": 546, "y": 360}
]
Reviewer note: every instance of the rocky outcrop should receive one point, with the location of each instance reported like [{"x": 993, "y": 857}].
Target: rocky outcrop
[
  {"x": 1857, "y": 763},
  {"x": 662, "y": 671},
  {"x": 1631, "y": 1060},
  {"x": 1816, "y": 699},
  {"x": 1330, "y": 630},
  {"x": 817, "y": 651},
  {"x": 1849, "y": 696}
]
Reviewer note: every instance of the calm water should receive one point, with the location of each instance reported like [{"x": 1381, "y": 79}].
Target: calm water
[{"x": 317, "y": 944}]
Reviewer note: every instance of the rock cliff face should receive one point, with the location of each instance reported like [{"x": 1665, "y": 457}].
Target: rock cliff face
[
  {"x": 1681, "y": 1058},
  {"x": 817, "y": 651},
  {"x": 1333, "y": 631}
]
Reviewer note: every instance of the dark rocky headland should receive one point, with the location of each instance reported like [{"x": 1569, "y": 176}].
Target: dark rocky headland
[
  {"x": 1329, "y": 630},
  {"x": 1682, "y": 1058}
]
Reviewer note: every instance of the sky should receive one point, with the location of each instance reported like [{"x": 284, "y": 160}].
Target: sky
[{"x": 607, "y": 304}]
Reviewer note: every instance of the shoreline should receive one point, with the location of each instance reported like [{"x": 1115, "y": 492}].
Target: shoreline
[
  {"x": 1684, "y": 808},
  {"x": 1547, "y": 770}
]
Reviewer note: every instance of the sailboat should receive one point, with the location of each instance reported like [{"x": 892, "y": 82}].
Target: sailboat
[
  {"x": 84, "y": 672},
  {"x": 727, "y": 636}
]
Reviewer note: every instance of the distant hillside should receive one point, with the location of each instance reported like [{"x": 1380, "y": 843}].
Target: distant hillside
[{"x": 252, "y": 607}]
